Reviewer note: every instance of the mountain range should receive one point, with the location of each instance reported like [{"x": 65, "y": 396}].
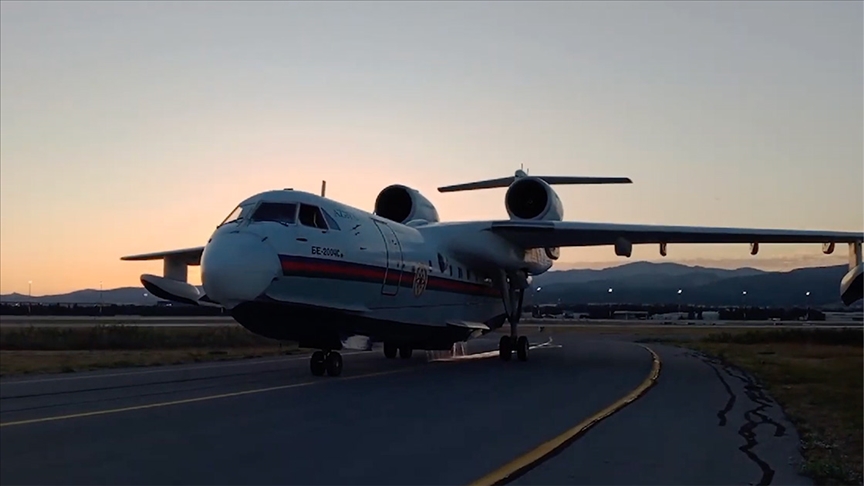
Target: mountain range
[
  {"x": 637, "y": 283},
  {"x": 659, "y": 283}
]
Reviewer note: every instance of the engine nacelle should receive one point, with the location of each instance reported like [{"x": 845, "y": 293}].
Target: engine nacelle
[
  {"x": 403, "y": 204},
  {"x": 529, "y": 198}
]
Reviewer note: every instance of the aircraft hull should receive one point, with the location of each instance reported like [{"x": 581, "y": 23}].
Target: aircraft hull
[{"x": 325, "y": 328}]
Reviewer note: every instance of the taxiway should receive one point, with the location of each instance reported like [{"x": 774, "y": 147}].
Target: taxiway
[{"x": 416, "y": 421}]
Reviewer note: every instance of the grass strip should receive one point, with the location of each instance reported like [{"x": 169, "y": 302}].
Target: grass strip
[
  {"x": 817, "y": 377},
  {"x": 68, "y": 349}
]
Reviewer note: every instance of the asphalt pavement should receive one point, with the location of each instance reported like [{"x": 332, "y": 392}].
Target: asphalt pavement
[{"x": 417, "y": 421}]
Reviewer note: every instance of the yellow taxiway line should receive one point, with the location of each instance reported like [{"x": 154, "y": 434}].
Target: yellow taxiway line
[{"x": 527, "y": 461}]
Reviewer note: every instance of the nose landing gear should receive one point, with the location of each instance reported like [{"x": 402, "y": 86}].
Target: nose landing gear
[{"x": 326, "y": 361}]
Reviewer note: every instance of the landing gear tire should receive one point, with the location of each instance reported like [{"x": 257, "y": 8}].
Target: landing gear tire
[
  {"x": 318, "y": 363},
  {"x": 505, "y": 348},
  {"x": 522, "y": 348},
  {"x": 405, "y": 353},
  {"x": 390, "y": 350},
  {"x": 334, "y": 363}
]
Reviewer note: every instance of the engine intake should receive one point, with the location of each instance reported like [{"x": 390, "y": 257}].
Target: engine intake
[
  {"x": 403, "y": 204},
  {"x": 531, "y": 198}
]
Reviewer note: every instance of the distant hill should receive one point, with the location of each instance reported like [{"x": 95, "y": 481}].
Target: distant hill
[
  {"x": 658, "y": 283},
  {"x": 122, "y": 295},
  {"x": 637, "y": 283}
]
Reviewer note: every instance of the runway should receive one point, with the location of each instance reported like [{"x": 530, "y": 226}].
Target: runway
[{"x": 399, "y": 421}]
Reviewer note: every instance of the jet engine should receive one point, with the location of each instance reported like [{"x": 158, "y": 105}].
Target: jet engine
[
  {"x": 530, "y": 198},
  {"x": 403, "y": 204}
]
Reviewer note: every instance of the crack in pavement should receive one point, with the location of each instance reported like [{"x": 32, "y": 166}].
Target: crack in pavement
[
  {"x": 753, "y": 417},
  {"x": 721, "y": 414}
]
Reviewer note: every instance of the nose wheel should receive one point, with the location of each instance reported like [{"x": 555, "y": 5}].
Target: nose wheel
[{"x": 329, "y": 362}]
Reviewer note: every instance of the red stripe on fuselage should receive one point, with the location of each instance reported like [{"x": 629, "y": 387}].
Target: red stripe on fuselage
[
  {"x": 314, "y": 267},
  {"x": 335, "y": 269}
]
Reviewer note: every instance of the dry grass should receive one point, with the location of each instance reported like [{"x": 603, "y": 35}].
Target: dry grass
[
  {"x": 115, "y": 337},
  {"x": 64, "y": 349},
  {"x": 820, "y": 387},
  {"x": 27, "y": 362}
]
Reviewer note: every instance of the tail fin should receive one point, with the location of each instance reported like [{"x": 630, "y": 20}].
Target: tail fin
[{"x": 507, "y": 181}]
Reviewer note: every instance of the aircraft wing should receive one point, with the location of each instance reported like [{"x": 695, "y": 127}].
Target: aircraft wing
[
  {"x": 188, "y": 256},
  {"x": 544, "y": 234},
  {"x": 551, "y": 234}
]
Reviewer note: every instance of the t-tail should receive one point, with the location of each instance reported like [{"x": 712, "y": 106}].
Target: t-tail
[{"x": 551, "y": 180}]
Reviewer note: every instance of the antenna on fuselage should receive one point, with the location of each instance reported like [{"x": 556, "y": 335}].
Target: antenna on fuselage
[{"x": 323, "y": 188}]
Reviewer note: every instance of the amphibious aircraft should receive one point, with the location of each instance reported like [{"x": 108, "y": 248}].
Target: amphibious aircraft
[{"x": 296, "y": 266}]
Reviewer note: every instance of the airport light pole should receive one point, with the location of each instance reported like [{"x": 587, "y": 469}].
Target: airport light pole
[
  {"x": 807, "y": 316},
  {"x": 536, "y": 302},
  {"x": 679, "y": 303},
  {"x": 100, "y": 297},
  {"x": 744, "y": 304},
  {"x": 610, "y": 302},
  {"x": 29, "y": 295}
]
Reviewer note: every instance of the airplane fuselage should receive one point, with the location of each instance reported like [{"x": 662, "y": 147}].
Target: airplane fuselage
[{"x": 334, "y": 271}]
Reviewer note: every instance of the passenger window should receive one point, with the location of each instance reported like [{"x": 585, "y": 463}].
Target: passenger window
[
  {"x": 278, "y": 212},
  {"x": 460, "y": 272},
  {"x": 311, "y": 216},
  {"x": 330, "y": 221}
]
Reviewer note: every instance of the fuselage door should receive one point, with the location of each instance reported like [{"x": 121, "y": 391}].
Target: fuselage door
[{"x": 393, "y": 274}]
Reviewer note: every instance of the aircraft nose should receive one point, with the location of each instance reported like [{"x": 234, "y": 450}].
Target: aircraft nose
[{"x": 238, "y": 267}]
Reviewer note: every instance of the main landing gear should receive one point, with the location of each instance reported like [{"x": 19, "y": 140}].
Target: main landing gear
[
  {"x": 513, "y": 293},
  {"x": 326, "y": 361},
  {"x": 507, "y": 344}
]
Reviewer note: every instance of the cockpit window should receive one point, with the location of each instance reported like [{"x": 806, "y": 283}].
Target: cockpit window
[
  {"x": 235, "y": 216},
  {"x": 311, "y": 216},
  {"x": 278, "y": 212},
  {"x": 330, "y": 221}
]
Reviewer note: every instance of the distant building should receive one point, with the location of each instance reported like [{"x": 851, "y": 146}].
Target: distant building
[{"x": 630, "y": 315}]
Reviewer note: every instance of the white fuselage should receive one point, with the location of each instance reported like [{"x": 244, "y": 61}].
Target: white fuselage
[{"x": 353, "y": 261}]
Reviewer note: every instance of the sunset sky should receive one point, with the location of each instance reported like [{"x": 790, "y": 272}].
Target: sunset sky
[{"x": 134, "y": 127}]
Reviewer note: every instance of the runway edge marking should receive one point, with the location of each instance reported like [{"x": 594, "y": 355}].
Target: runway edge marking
[
  {"x": 524, "y": 463},
  {"x": 196, "y": 399}
]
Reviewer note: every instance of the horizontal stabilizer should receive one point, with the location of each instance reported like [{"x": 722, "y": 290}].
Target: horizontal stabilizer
[{"x": 552, "y": 180}]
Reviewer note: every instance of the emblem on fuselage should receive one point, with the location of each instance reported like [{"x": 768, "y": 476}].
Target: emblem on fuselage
[{"x": 421, "y": 278}]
